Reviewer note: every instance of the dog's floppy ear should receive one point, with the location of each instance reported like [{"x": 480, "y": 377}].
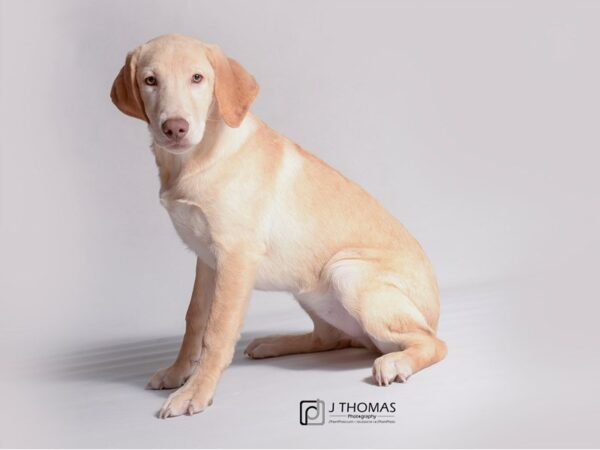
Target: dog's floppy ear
[
  {"x": 125, "y": 92},
  {"x": 235, "y": 88}
]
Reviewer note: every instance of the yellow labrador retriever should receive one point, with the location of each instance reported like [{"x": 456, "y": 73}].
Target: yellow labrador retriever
[{"x": 261, "y": 212}]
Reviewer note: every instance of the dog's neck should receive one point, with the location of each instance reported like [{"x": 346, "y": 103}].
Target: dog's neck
[{"x": 219, "y": 142}]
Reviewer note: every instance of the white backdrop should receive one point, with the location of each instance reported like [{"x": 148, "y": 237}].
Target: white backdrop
[{"x": 475, "y": 123}]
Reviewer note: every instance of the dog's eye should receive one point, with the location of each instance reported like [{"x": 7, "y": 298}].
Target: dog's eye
[
  {"x": 150, "y": 81},
  {"x": 197, "y": 78}
]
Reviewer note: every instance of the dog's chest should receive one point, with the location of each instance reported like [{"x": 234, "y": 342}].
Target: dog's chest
[{"x": 191, "y": 225}]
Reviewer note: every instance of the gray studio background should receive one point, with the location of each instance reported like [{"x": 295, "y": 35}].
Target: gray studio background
[{"x": 475, "y": 123}]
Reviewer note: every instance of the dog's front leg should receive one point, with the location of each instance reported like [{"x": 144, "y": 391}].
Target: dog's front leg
[
  {"x": 233, "y": 284},
  {"x": 195, "y": 324}
]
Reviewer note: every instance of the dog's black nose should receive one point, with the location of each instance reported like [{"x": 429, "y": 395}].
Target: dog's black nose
[{"x": 175, "y": 128}]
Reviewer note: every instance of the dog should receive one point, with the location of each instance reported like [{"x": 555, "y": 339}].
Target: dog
[{"x": 260, "y": 212}]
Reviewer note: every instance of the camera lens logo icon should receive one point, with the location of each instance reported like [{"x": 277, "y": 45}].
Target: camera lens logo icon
[{"x": 312, "y": 412}]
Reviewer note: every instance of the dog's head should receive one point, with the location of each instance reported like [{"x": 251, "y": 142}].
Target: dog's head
[{"x": 173, "y": 82}]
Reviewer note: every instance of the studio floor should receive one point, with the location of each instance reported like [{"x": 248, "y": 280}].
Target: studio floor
[{"x": 486, "y": 392}]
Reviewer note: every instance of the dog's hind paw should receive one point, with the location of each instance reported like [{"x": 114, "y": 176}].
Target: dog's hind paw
[{"x": 389, "y": 368}]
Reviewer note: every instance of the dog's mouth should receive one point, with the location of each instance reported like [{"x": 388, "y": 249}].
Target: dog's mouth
[{"x": 180, "y": 146}]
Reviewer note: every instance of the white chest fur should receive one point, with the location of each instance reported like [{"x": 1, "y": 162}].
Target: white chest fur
[{"x": 191, "y": 225}]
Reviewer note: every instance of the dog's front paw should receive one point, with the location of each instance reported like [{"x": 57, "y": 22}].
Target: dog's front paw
[
  {"x": 169, "y": 378},
  {"x": 187, "y": 400}
]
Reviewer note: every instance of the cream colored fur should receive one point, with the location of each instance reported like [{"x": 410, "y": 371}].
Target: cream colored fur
[{"x": 261, "y": 212}]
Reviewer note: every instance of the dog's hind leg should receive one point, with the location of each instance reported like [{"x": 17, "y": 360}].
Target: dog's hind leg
[
  {"x": 324, "y": 337},
  {"x": 379, "y": 291},
  {"x": 400, "y": 332}
]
